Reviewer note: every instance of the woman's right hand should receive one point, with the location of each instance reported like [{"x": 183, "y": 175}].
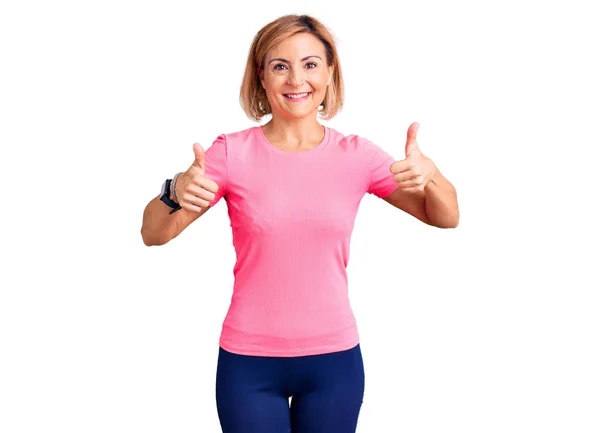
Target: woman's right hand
[{"x": 194, "y": 191}]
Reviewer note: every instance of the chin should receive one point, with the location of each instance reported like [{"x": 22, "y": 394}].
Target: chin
[{"x": 298, "y": 114}]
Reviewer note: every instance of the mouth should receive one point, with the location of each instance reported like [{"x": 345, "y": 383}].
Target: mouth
[{"x": 297, "y": 96}]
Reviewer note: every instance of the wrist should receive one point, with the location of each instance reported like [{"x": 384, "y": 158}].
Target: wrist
[
  {"x": 166, "y": 196},
  {"x": 434, "y": 180},
  {"x": 173, "y": 191}
]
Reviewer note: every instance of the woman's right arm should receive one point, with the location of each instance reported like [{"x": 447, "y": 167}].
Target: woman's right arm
[
  {"x": 194, "y": 193},
  {"x": 158, "y": 227}
]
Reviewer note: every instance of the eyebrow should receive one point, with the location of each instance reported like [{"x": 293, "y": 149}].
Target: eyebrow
[{"x": 287, "y": 61}]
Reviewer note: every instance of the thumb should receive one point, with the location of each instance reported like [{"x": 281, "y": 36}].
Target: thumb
[
  {"x": 411, "y": 139},
  {"x": 199, "y": 156}
]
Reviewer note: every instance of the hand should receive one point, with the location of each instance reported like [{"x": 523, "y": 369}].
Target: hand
[
  {"x": 193, "y": 190},
  {"x": 413, "y": 173}
]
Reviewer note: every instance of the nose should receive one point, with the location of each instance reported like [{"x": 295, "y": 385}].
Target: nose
[{"x": 296, "y": 77}]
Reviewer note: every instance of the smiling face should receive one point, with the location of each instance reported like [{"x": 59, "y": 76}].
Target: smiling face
[{"x": 295, "y": 76}]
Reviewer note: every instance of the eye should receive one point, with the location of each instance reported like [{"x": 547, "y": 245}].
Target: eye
[
  {"x": 280, "y": 67},
  {"x": 311, "y": 65}
]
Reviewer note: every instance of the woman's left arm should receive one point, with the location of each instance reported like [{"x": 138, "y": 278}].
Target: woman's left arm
[
  {"x": 422, "y": 189},
  {"x": 441, "y": 204}
]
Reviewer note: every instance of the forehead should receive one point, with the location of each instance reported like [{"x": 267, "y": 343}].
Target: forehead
[{"x": 298, "y": 46}]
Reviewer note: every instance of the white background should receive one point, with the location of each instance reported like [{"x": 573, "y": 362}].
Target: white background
[{"x": 490, "y": 327}]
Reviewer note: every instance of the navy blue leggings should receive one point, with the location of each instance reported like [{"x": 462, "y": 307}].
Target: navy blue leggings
[{"x": 326, "y": 392}]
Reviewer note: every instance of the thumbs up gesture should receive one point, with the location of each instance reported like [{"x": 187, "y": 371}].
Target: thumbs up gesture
[
  {"x": 413, "y": 173},
  {"x": 194, "y": 191}
]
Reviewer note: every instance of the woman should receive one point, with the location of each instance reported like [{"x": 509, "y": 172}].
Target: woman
[{"x": 292, "y": 189}]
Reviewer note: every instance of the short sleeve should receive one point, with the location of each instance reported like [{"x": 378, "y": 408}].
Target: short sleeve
[
  {"x": 381, "y": 181},
  {"x": 215, "y": 166}
]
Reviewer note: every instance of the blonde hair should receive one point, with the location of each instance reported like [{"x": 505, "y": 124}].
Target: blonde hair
[{"x": 253, "y": 97}]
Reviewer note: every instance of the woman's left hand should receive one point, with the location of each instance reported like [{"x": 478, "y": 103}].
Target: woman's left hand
[{"x": 413, "y": 173}]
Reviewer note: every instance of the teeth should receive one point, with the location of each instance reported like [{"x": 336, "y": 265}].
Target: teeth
[{"x": 298, "y": 95}]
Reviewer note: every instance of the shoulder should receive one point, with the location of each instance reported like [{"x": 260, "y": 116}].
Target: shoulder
[
  {"x": 232, "y": 142},
  {"x": 240, "y": 136},
  {"x": 350, "y": 142},
  {"x": 229, "y": 141}
]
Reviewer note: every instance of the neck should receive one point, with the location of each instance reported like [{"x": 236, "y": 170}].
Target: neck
[{"x": 296, "y": 133}]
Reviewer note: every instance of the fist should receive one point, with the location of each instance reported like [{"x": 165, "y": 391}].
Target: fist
[
  {"x": 194, "y": 191},
  {"x": 413, "y": 173}
]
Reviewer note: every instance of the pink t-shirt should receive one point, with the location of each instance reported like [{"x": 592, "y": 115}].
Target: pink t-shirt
[{"x": 292, "y": 215}]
